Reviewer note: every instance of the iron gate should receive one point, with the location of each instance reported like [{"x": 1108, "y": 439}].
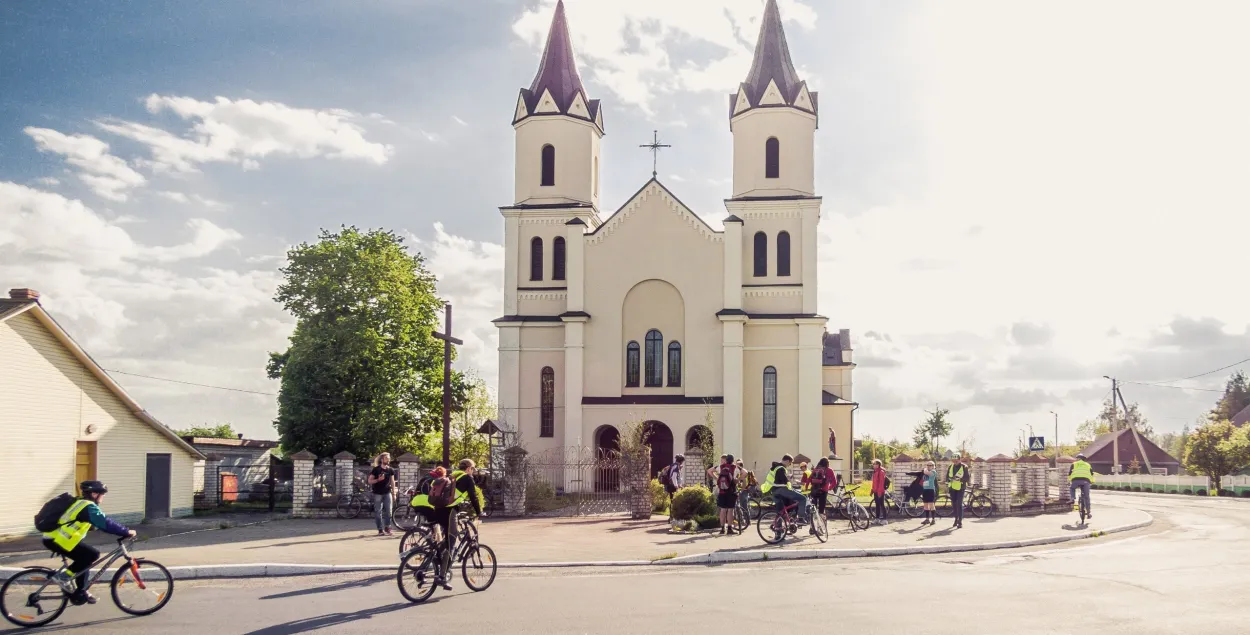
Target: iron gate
[
  {"x": 576, "y": 481},
  {"x": 255, "y": 486}
]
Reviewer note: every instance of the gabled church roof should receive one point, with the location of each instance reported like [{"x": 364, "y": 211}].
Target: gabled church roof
[
  {"x": 630, "y": 204},
  {"x": 557, "y": 77},
  {"x": 772, "y": 66}
]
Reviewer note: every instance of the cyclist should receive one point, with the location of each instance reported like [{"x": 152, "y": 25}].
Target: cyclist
[
  {"x": 66, "y": 540},
  {"x": 420, "y": 502},
  {"x": 466, "y": 492},
  {"x": 778, "y": 482},
  {"x": 1081, "y": 476}
]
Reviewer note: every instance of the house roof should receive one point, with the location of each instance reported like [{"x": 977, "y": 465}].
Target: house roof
[
  {"x": 833, "y": 345},
  {"x": 8, "y": 311},
  {"x": 1101, "y": 449},
  {"x": 1243, "y": 417},
  {"x": 231, "y": 443}
]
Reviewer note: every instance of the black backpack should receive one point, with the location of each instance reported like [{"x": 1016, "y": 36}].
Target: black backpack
[
  {"x": 820, "y": 480},
  {"x": 725, "y": 482},
  {"x": 49, "y": 516}
]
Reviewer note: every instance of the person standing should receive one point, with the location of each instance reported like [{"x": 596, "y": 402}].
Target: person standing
[
  {"x": 928, "y": 492},
  {"x": 382, "y": 482},
  {"x": 878, "y": 490},
  {"x": 672, "y": 478},
  {"x": 957, "y": 479},
  {"x": 822, "y": 480},
  {"x": 726, "y": 478}
]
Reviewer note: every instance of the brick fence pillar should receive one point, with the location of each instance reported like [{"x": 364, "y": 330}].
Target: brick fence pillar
[
  {"x": 212, "y": 480},
  {"x": 515, "y": 481},
  {"x": 1039, "y": 491},
  {"x": 637, "y": 469},
  {"x": 344, "y": 472},
  {"x": 980, "y": 473},
  {"x": 408, "y": 466},
  {"x": 1064, "y": 464},
  {"x": 301, "y": 483},
  {"x": 1000, "y": 482}
]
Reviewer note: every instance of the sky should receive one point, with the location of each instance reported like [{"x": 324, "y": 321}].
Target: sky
[{"x": 1019, "y": 198}]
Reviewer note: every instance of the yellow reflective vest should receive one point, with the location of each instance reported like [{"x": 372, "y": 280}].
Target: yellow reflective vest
[
  {"x": 70, "y": 532},
  {"x": 461, "y": 497},
  {"x": 770, "y": 481},
  {"x": 955, "y": 477},
  {"x": 1081, "y": 469}
]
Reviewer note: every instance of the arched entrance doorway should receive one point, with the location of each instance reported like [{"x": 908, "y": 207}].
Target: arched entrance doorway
[
  {"x": 660, "y": 440},
  {"x": 607, "y": 452},
  {"x": 607, "y": 440}
]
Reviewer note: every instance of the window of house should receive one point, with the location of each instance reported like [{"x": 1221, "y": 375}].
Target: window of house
[
  {"x": 674, "y": 364},
  {"x": 761, "y": 254},
  {"x": 770, "y": 402},
  {"x": 557, "y": 259},
  {"x": 536, "y": 258},
  {"x": 632, "y": 364},
  {"x": 655, "y": 359},
  {"x": 548, "y": 426},
  {"x": 783, "y": 254},
  {"x": 549, "y": 165},
  {"x": 772, "y": 158}
]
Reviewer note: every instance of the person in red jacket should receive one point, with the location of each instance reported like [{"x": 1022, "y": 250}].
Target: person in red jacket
[{"x": 878, "y": 490}]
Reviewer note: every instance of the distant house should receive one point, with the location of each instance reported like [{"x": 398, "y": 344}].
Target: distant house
[
  {"x": 1101, "y": 453},
  {"x": 64, "y": 420},
  {"x": 1243, "y": 417},
  {"x": 245, "y": 460}
]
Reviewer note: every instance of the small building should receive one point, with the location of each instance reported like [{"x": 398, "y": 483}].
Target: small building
[
  {"x": 246, "y": 461},
  {"x": 65, "y": 420},
  {"x": 1124, "y": 446}
]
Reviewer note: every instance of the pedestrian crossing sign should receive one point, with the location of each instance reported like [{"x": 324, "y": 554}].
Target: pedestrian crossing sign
[{"x": 1037, "y": 444}]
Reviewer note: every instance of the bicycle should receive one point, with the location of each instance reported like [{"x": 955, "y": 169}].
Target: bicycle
[
  {"x": 976, "y": 500},
  {"x": 26, "y": 599},
  {"x": 1083, "y": 504},
  {"x": 849, "y": 507},
  {"x": 912, "y": 507},
  {"x": 428, "y": 563},
  {"x": 782, "y": 524}
]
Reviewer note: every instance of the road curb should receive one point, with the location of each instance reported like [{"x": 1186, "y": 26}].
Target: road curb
[{"x": 280, "y": 570}]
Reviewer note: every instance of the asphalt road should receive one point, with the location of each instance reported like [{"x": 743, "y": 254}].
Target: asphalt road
[{"x": 1188, "y": 573}]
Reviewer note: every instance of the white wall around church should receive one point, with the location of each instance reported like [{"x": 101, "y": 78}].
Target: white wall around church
[
  {"x": 577, "y": 159},
  {"x": 795, "y": 130}
]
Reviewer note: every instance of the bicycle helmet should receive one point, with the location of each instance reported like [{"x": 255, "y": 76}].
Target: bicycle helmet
[
  {"x": 1080, "y": 457},
  {"x": 92, "y": 487}
]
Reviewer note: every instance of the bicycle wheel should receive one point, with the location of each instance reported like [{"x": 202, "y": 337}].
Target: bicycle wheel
[
  {"x": 914, "y": 508},
  {"x": 142, "y": 588},
  {"x": 943, "y": 507},
  {"x": 24, "y": 603},
  {"x": 771, "y": 527},
  {"x": 488, "y": 504},
  {"x": 755, "y": 507},
  {"x": 413, "y": 537},
  {"x": 478, "y": 567},
  {"x": 416, "y": 575},
  {"x": 858, "y": 517},
  {"x": 982, "y": 506},
  {"x": 348, "y": 507},
  {"x": 741, "y": 521},
  {"x": 820, "y": 526}
]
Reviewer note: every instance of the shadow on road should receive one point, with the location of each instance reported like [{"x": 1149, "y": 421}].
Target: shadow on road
[
  {"x": 333, "y": 619},
  {"x": 65, "y": 627},
  {"x": 310, "y": 542},
  {"x": 331, "y": 588}
]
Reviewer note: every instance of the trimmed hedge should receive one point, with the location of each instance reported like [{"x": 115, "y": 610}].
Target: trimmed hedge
[{"x": 692, "y": 502}]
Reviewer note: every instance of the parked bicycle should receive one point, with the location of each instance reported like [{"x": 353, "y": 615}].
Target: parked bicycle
[
  {"x": 361, "y": 501},
  {"x": 848, "y": 506},
  {"x": 911, "y": 508},
  {"x": 976, "y": 500},
  {"x": 425, "y": 564},
  {"x": 33, "y": 597},
  {"x": 773, "y": 526}
]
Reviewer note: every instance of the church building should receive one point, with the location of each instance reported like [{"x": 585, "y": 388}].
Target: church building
[{"x": 650, "y": 314}]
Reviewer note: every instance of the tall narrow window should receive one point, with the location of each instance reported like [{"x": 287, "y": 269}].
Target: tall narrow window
[
  {"x": 770, "y": 402},
  {"x": 548, "y": 425},
  {"x": 761, "y": 254},
  {"x": 549, "y": 165},
  {"x": 674, "y": 364},
  {"x": 536, "y": 258},
  {"x": 655, "y": 359},
  {"x": 633, "y": 363},
  {"x": 772, "y": 158},
  {"x": 783, "y": 254},
  {"x": 557, "y": 259}
]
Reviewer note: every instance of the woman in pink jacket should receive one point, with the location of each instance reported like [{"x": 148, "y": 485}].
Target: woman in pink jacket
[{"x": 878, "y": 490}]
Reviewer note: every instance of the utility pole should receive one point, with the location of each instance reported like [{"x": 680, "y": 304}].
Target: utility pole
[
  {"x": 1056, "y": 463},
  {"x": 1115, "y": 440}
]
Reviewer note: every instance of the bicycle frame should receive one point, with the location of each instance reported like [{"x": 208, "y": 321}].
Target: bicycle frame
[{"x": 110, "y": 557}]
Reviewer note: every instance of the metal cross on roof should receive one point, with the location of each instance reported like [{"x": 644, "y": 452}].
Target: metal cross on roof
[{"x": 654, "y": 147}]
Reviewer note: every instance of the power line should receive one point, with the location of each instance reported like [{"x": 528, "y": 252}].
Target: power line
[
  {"x": 1138, "y": 383},
  {"x": 1215, "y": 371}
]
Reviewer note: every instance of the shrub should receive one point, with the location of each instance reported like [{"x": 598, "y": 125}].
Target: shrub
[
  {"x": 538, "y": 490},
  {"x": 692, "y": 502},
  {"x": 659, "y": 497},
  {"x": 711, "y": 521}
]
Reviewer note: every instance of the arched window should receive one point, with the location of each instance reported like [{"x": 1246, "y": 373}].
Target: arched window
[
  {"x": 761, "y": 254},
  {"x": 772, "y": 158},
  {"x": 770, "y": 403},
  {"x": 549, "y": 165},
  {"x": 655, "y": 359},
  {"x": 674, "y": 364},
  {"x": 536, "y": 258},
  {"x": 548, "y": 425},
  {"x": 557, "y": 259},
  {"x": 783, "y": 254},
  {"x": 632, "y": 364}
]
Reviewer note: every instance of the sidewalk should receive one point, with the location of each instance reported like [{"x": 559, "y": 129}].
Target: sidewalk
[{"x": 597, "y": 540}]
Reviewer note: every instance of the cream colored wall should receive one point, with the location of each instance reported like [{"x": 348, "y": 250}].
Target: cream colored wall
[
  {"x": 795, "y": 130},
  {"x": 653, "y": 304},
  {"x": 540, "y": 346},
  {"x": 680, "y": 419},
  {"x": 754, "y": 445},
  {"x": 49, "y": 401},
  {"x": 652, "y": 238},
  {"x": 837, "y": 380},
  {"x": 548, "y": 227},
  {"x": 838, "y": 418},
  {"x": 577, "y": 155},
  {"x": 772, "y": 224}
]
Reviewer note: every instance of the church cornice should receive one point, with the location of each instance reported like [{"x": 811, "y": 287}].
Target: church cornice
[
  {"x": 653, "y": 188},
  {"x": 653, "y": 400}
]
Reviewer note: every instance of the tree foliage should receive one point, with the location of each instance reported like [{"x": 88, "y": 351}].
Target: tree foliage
[
  {"x": 220, "y": 431},
  {"x": 928, "y": 433},
  {"x": 1111, "y": 418},
  {"x": 1236, "y": 397},
  {"x": 1216, "y": 449},
  {"x": 473, "y": 409},
  {"x": 363, "y": 372},
  {"x": 871, "y": 448}
]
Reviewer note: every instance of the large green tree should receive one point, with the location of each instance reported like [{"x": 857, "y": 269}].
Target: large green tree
[
  {"x": 928, "y": 432},
  {"x": 363, "y": 372},
  {"x": 221, "y": 431},
  {"x": 1217, "y": 449},
  {"x": 1235, "y": 399}
]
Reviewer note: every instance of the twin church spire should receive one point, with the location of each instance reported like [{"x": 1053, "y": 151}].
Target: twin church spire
[{"x": 557, "y": 88}]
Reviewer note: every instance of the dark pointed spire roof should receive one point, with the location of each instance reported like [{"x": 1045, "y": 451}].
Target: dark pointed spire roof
[
  {"x": 772, "y": 63},
  {"x": 557, "y": 74}
]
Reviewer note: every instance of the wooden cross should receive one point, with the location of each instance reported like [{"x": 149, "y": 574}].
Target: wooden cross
[
  {"x": 654, "y": 147},
  {"x": 448, "y": 340}
]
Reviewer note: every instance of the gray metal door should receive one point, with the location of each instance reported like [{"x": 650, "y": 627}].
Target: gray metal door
[{"x": 157, "y": 498}]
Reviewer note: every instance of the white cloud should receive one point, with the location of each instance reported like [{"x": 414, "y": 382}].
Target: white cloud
[
  {"x": 625, "y": 46},
  {"x": 108, "y": 176},
  {"x": 177, "y": 197},
  {"x": 244, "y": 131},
  {"x": 48, "y": 180},
  {"x": 459, "y": 120}
]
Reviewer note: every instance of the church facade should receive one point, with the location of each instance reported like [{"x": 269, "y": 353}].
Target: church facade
[{"x": 650, "y": 314}]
